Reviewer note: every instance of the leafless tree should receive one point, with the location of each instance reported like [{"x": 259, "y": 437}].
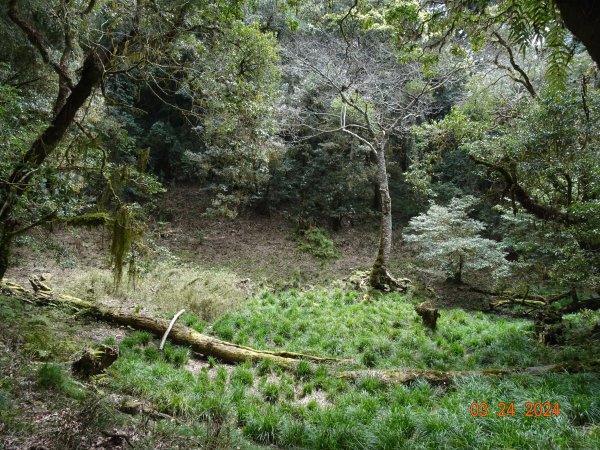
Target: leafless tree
[{"x": 375, "y": 98}]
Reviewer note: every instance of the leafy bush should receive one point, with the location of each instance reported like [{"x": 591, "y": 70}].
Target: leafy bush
[
  {"x": 449, "y": 240},
  {"x": 316, "y": 242}
]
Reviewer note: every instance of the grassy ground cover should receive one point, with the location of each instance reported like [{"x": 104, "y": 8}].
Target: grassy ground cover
[
  {"x": 312, "y": 408},
  {"x": 212, "y": 405}
]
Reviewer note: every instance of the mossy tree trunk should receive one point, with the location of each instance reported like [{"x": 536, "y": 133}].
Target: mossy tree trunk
[
  {"x": 379, "y": 274},
  {"x": 380, "y": 278},
  {"x": 5, "y": 243}
]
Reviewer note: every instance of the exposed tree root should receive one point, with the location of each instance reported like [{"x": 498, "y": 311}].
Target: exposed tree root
[
  {"x": 200, "y": 343},
  {"x": 381, "y": 279},
  {"x": 399, "y": 376}
]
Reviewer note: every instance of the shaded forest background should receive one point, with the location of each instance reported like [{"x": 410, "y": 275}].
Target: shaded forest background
[{"x": 284, "y": 168}]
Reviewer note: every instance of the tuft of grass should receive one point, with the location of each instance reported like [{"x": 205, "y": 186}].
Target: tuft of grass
[
  {"x": 304, "y": 370},
  {"x": 317, "y": 242},
  {"x": 242, "y": 376},
  {"x": 53, "y": 376},
  {"x": 176, "y": 355},
  {"x": 271, "y": 392}
]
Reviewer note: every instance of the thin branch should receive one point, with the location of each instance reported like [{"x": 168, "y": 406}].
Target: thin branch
[
  {"x": 42, "y": 220},
  {"x": 524, "y": 79}
]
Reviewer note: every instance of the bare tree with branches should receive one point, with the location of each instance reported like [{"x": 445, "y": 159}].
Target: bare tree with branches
[{"x": 376, "y": 100}]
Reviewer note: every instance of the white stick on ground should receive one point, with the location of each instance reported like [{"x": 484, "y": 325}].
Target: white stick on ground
[{"x": 164, "y": 338}]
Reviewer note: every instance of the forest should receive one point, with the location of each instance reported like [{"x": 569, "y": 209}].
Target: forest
[{"x": 319, "y": 224}]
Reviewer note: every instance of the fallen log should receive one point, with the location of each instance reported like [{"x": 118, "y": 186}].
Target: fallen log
[
  {"x": 198, "y": 342},
  {"x": 401, "y": 376}
]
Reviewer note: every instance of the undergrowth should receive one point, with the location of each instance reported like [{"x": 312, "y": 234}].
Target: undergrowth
[
  {"x": 254, "y": 405},
  {"x": 312, "y": 408},
  {"x": 317, "y": 242},
  {"x": 383, "y": 331}
]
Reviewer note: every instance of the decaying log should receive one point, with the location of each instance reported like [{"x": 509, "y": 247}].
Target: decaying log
[
  {"x": 540, "y": 301},
  {"x": 428, "y": 313},
  {"x": 182, "y": 335},
  {"x": 517, "y": 301},
  {"x": 401, "y": 376}
]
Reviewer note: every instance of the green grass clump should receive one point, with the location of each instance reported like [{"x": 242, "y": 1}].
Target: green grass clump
[
  {"x": 304, "y": 370},
  {"x": 53, "y": 376},
  {"x": 178, "y": 356},
  {"x": 317, "y": 242},
  {"x": 243, "y": 376}
]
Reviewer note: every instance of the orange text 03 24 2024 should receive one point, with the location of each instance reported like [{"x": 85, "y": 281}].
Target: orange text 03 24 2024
[{"x": 507, "y": 409}]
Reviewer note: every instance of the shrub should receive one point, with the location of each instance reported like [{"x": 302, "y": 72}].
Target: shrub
[
  {"x": 449, "y": 240},
  {"x": 316, "y": 242}
]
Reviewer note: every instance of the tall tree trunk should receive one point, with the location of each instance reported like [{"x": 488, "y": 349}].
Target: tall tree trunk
[
  {"x": 4, "y": 253},
  {"x": 380, "y": 278}
]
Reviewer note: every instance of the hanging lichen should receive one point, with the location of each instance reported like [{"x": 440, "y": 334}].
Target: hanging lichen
[{"x": 143, "y": 157}]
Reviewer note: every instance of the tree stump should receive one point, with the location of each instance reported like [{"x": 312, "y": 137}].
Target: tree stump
[
  {"x": 428, "y": 313},
  {"x": 548, "y": 327},
  {"x": 95, "y": 360}
]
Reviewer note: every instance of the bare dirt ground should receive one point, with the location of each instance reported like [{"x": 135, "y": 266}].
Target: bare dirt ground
[{"x": 257, "y": 248}]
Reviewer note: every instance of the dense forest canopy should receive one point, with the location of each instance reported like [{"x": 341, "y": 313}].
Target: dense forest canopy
[{"x": 329, "y": 111}]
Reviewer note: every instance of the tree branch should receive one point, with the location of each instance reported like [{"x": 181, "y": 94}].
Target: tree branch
[
  {"x": 37, "y": 40},
  {"x": 529, "y": 204},
  {"x": 524, "y": 80}
]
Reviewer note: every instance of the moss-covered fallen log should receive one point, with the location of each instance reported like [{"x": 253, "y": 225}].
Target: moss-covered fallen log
[
  {"x": 182, "y": 335},
  {"x": 401, "y": 376}
]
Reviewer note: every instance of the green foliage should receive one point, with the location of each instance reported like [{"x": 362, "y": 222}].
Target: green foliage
[
  {"x": 384, "y": 334},
  {"x": 449, "y": 240},
  {"x": 316, "y": 242},
  {"x": 53, "y": 376},
  {"x": 327, "y": 182},
  {"x": 423, "y": 28},
  {"x": 178, "y": 356},
  {"x": 243, "y": 376}
]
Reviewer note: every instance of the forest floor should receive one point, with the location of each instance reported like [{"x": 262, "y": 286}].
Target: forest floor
[{"x": 245, "y": 281}]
